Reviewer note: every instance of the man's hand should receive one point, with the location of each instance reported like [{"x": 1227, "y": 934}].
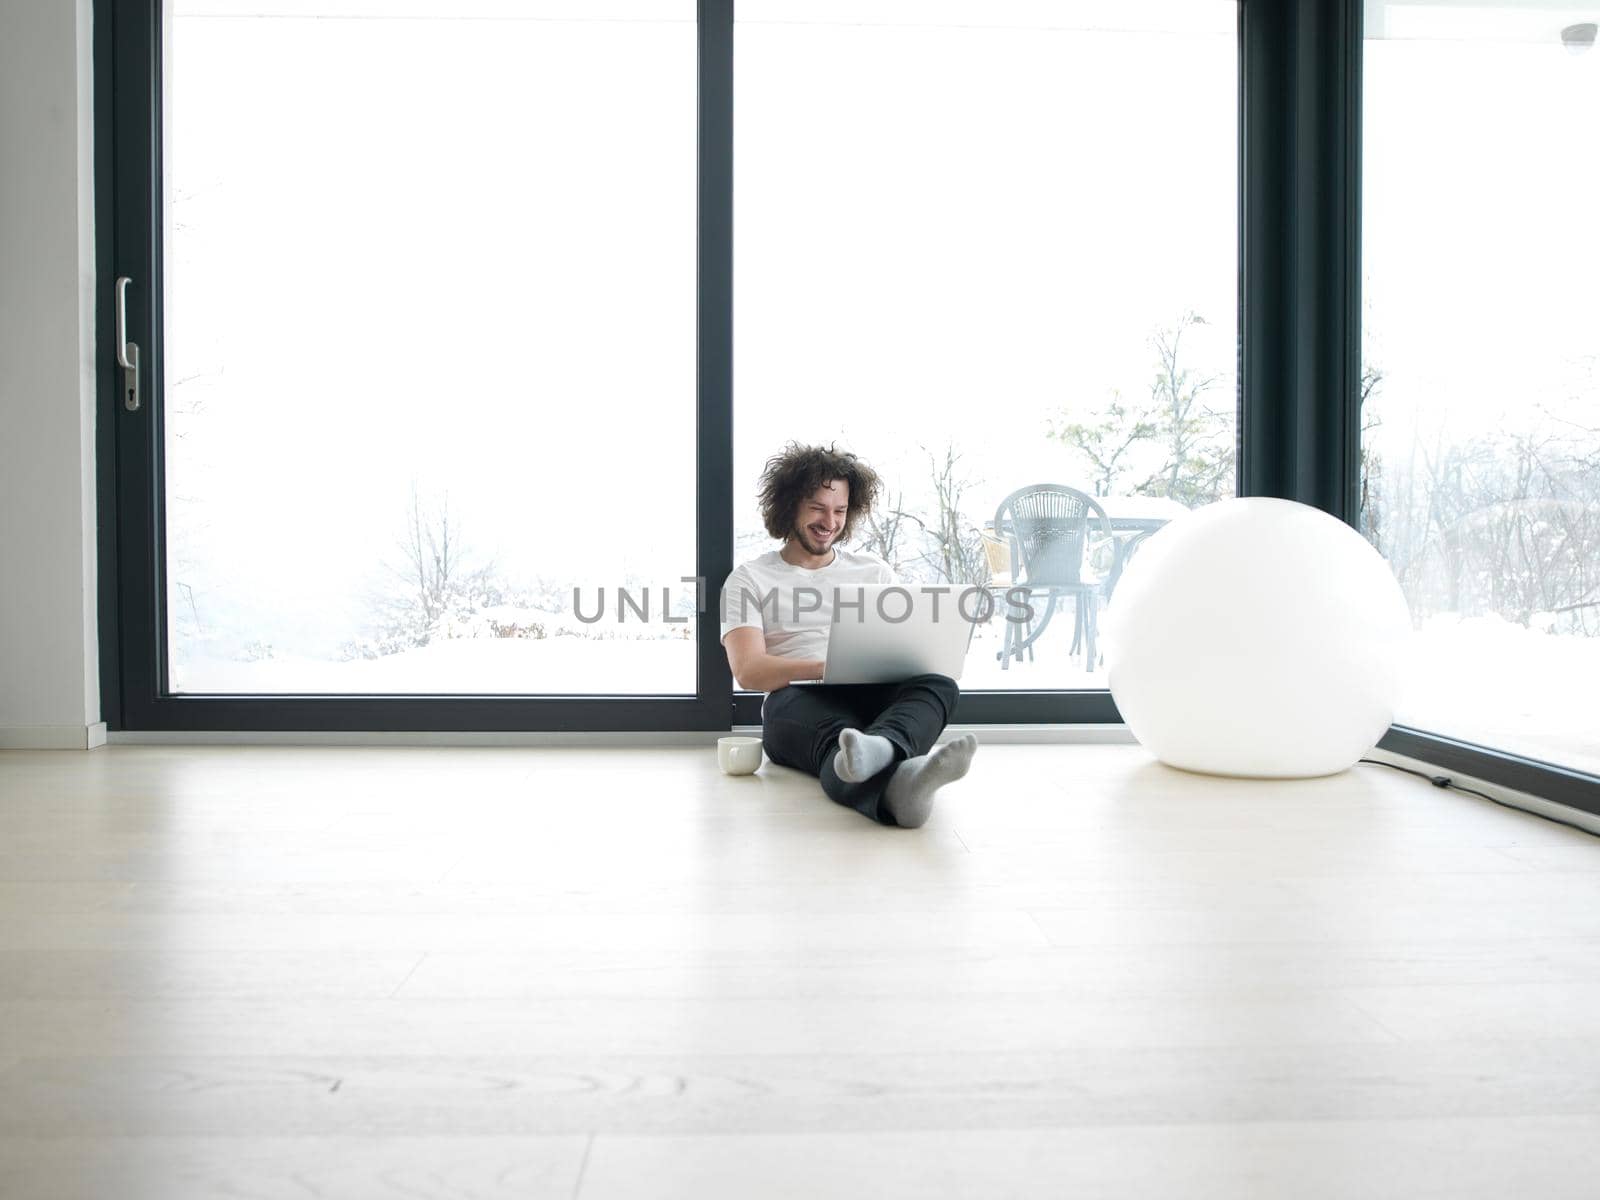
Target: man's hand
[{"x": 758, "y": 671}]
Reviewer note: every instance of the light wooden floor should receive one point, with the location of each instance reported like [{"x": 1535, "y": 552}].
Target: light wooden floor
[{"x": 476, "y": 973}]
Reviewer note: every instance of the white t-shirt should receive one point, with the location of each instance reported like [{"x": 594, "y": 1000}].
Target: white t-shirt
[{"x": 793, "y": 606}]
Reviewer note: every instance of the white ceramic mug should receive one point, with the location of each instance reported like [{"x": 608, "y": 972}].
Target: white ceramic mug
[{"x": 739, "y": 755}]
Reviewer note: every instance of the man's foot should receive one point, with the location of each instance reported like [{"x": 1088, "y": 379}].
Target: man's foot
[
  {"x": 909, "y": 796},
  {"x": 861, "y": 755}
]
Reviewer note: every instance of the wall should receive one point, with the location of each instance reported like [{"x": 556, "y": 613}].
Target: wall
[{"x": 49, "y": 670}]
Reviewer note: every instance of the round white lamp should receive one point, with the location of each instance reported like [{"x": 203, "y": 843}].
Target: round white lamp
[{"x": 1257, "y": 637}]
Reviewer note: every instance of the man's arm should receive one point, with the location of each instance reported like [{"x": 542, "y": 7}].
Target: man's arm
[{"x": 755, "y": 669}]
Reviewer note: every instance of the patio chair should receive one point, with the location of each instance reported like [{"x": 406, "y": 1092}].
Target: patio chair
[
  {"x": 1050, "y": 528},
  {"x": 1002, "y": 563}
]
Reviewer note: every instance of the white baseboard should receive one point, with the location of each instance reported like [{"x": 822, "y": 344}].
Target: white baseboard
[
  {"x": 1046, "y": 735},
  {"x": 53, "y": 737},
  {"x": 989, "y": 734},
  {"x": 389, "y": 737},
  {"x": 1026, "y": 735}
]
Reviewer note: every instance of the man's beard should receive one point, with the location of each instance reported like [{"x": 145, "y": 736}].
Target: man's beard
[{"x": 810, "y": 547}]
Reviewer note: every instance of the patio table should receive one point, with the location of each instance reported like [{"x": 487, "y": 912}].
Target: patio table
[
  {"x": 1131, "y": 518},
  {"x": 1128, "y": 516}
]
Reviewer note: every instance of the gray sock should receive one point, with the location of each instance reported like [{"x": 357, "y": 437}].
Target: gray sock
[
  {"x": 861, "y": 755},
  {"x": 909, "y": 796}
]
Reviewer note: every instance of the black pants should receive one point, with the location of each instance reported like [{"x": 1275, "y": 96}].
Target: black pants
[{"x": 800, "y": 728}]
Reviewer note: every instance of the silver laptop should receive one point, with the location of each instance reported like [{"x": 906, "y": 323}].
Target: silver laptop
[{"x": 897, "y": 631}]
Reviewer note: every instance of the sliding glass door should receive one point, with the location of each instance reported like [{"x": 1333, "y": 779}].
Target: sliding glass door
[
  {"x": 435, "y": 307},
  {"x": 429, "y": 331},
  {"x": 989, "y": 245},
  {"x": 416, "y": 288},
  {"x": 1481, "y": 385}
]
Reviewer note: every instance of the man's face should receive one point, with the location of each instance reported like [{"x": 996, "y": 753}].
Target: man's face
[{"x": 821, "y": 517}]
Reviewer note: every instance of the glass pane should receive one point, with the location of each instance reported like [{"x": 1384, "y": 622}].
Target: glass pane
[
  {"x": 430, "y": 346},
  {"x": 984, "y": 246},
  {"x": 1481, "y": 425}
]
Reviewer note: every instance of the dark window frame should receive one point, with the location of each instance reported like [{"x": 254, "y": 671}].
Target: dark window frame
[
  {"x": 132, "y": 492},
  {"x": 1298, "y": 386},
  {"x": 133, "y": 626}
]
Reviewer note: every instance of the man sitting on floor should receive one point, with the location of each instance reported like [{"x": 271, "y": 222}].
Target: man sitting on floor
[{"x": 871, "y": 745}]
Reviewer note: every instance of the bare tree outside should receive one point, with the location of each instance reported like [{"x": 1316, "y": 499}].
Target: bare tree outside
[
  {"x": 1173, "y": 444},
  {"x": 961, "y": 553},
  {"x": 434, "y": 587},
  {"x": 931, "y": 539},
  {"x": 1108, "y": 441},
  {"x": 1196, "y": 437},
  {"x": 1506, "y": 523},
  {"x": 1371, "y": 466},
  {"x": 952, "y": 546},
  {"x": 884, "y": 531}
]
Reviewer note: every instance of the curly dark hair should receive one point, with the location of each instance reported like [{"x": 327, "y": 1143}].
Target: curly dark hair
[{"x": 791, "y": 477}]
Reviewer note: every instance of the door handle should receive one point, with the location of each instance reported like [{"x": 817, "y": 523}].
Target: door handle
[{"x": 127, "y": 352}]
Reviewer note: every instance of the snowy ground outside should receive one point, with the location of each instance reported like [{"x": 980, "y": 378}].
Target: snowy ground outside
[
  {"x": 1482, "y": 679},
  {"x": 1502, "y": 685},
  {"x": 569, "y": 665}
]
